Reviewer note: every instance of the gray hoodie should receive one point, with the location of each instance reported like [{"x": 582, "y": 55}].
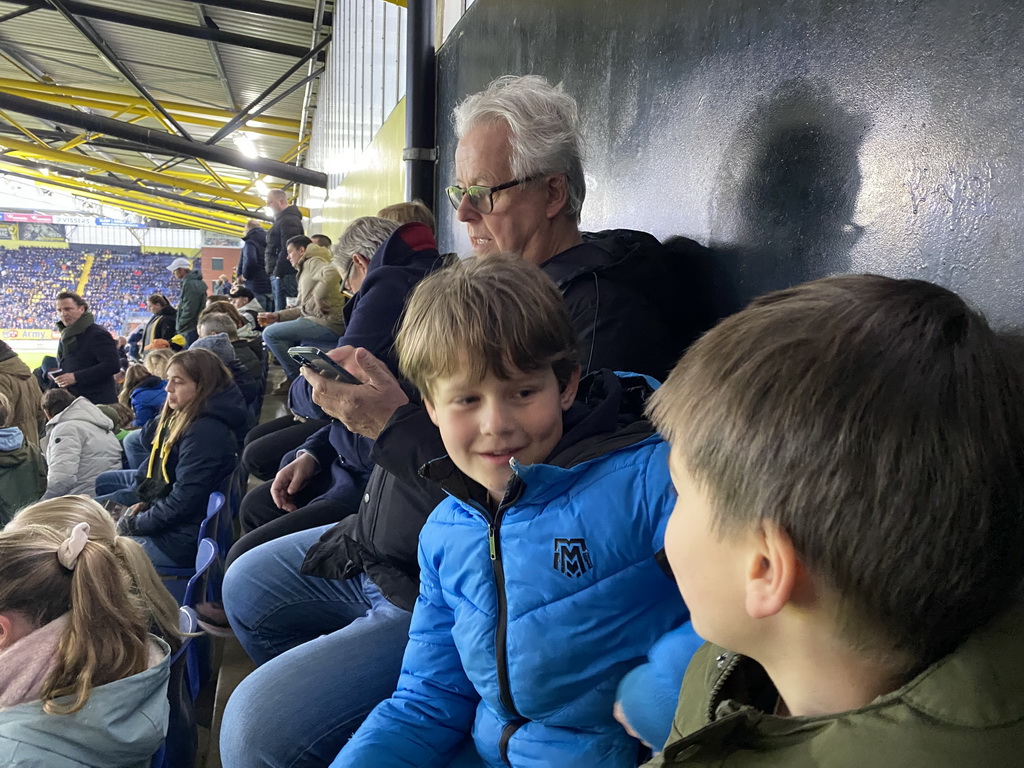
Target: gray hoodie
[
  {"x": 80, "y": 444},
  {"x": 121, "y": 726}
]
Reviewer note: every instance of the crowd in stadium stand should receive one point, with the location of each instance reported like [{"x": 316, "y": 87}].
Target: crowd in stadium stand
[
  {"x": 30, "y": 278},
  {"x": 118, "y": 284}
]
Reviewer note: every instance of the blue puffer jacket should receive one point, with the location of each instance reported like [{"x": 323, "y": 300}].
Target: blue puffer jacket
[
  {"x": 528, "y": 619},
  {"x": 147, "y": 399}
]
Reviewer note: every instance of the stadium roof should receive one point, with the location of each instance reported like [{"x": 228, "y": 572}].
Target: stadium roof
[{"x": 162, "y": 106}]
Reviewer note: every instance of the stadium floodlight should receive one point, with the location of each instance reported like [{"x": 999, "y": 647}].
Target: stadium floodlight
[
  {"x": 246, "y": 145},
  {"x": 261, "y": 187}
]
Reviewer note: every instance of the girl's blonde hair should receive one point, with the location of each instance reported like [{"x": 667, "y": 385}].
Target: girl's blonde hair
[
  {"x": 65, "y": 512},
  {"x": 135, "y": 374},
  {"x": 157, "y": 361},
  {"x": 210, "y": 376},
  {"x": 106, "y": 638}
]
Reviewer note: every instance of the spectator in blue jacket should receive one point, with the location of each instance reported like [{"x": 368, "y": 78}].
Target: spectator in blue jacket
[
  {"x": 192, "y": 451},
  {"x": 252, "y": 271},
  {"x": 539, "y": 586},
  {"x": 325, "y": 479}
]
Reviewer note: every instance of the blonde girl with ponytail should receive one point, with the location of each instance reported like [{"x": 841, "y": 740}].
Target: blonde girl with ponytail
[
  {"x": 65, "y": 512},
  {"x": 82, "y": 682}
]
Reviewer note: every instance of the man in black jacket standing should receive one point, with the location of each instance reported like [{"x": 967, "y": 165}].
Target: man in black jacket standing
[
  {"x": 252, "y": 266},
  {"x": 86, "y": 353},
  {"x": 287, "y": 224}
]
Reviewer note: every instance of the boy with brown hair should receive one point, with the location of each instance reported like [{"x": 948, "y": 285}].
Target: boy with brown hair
[
  {"x": 539, "y": 586},
  {"x": 848, "y": 534}
]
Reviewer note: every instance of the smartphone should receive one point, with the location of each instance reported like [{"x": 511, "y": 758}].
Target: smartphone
[
  {"x": 116, "y": 510},
  {"x": 321, "y": 363},
  {"x": 54, "y": 374}
]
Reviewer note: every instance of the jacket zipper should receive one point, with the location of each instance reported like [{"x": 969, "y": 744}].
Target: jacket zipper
[
  {"x": 512, "y": 494},
  {"x": 501, "y": 630},
  {"x": 726, "y": 666}
]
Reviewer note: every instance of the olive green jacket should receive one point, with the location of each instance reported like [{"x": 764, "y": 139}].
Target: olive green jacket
[{"x": 966, "y": 711}]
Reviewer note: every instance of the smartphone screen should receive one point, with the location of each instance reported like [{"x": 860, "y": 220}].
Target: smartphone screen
[{"x": 322, "y": 364}]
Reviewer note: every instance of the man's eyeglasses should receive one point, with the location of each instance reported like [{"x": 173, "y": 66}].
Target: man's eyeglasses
[{"x": 481, "y": 198}]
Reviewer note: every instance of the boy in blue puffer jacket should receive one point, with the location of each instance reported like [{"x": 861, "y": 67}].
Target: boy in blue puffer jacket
[{"x": 539, "y": 587}]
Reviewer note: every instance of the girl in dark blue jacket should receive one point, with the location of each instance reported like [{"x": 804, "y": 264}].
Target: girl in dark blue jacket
[{"x": 192, "y": 451}]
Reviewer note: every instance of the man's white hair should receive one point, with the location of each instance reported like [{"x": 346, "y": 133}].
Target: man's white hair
[{"x": 544, "y": 130}]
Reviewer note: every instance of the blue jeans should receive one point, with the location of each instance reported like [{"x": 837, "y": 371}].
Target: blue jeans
[
  {"x": 115, "y": 480},
  {"x": 329, "y": 652},
  {"x": 135, "y": 452},
  {"x": 292, "y": 333},
  {"x": 283, "y": 287}
]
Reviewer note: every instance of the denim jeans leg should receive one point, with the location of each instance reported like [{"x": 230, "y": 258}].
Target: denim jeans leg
[
  {"x": 114, "y": 480},
  {"x": 279, "y": 337},
  {"x": 156, "y": 555},
  {"x": 134, "y": 450},
  {"x": 276, "y": 288},
  {"x": 307, "y": 698}
]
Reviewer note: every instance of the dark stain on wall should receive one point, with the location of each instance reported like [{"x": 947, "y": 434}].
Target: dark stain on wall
[{"x": 795, "y": 140}]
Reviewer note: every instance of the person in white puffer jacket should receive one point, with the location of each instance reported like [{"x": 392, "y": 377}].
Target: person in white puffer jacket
[{"x": 80, "y": 444}]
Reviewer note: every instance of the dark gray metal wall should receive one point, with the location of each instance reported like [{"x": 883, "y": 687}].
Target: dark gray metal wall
[{"x": 796, "y": 139}]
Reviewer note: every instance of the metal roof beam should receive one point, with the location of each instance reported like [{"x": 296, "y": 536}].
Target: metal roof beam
[
  {"x": 222, "y": 74},
  {"x": 117, "y": 100},
  {"x": 69, "y": 7},
  {"x": 274, "y": 10},
  {"x": 64, "y": 8},
  {"x": 22, "y": 11},
  {"x": 110, "y": 181},
  {"x": 33, "y": 150},
  {"x": 159, "y": 139}
]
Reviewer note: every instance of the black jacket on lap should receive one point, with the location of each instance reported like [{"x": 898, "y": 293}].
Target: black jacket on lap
[{"x": 381, "y": 539}]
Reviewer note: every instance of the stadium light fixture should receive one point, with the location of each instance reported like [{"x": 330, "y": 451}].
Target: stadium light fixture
[{"x": 246, "y": 145}]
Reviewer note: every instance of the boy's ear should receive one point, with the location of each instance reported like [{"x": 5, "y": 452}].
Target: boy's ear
[
  {"x": 772, "y": 573},
  {"x": 430, "y": 411},
  {"x": 568, "y": 396}
]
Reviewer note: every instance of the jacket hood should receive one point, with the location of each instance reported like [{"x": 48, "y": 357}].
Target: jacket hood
[
  {"x": 194, "y": 274},
  {"x": 83, "y": 410},
  {"x": 314, "y": 251},
  {"x": 218, "y": 343},
  {"x": 150, "y": 382},
  {"x": 598, "y": 251},
  {"x": 257, "y": 235},
  {"x": 608, "y": 415},
  {"x": 411, "y": 244},
  {"x": 11, "y": 439},
  {"x": 16, "y": 367},
  {"x": 167, "y": 311},
  {"x": 227, "y": 406},
  {"x": 123, "y": 723}
]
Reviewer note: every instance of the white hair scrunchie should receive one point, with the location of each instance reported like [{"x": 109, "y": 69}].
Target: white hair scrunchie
[{"x": 73, "y": 545}]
